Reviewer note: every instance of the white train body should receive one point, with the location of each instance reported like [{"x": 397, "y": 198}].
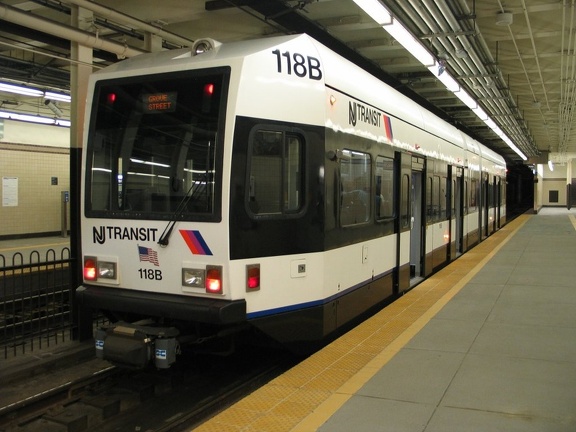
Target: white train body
[{"x": 304, "y": 189}]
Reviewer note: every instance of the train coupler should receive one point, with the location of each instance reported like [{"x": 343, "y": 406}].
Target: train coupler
[{"x": 135, "y": 346}]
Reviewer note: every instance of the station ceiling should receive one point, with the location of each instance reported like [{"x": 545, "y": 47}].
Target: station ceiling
[{"x": 515, "y": 57}]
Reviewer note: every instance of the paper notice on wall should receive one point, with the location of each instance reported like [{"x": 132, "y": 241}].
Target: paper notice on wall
[{"x": 9, "y": 191}]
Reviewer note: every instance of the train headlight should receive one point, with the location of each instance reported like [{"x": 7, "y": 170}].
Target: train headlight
[
  {"x": 204, "y": 45},
  {"x": 194, "y": 278},
  {"x": 106, "y": 270}
]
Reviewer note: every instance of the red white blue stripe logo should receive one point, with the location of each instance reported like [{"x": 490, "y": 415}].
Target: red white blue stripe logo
[
  {"x": 388, "y": 127},
  {"x": 195, "y": 242}
]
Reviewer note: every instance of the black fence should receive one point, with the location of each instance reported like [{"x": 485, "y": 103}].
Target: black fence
[{"x": 36, "y": 301}]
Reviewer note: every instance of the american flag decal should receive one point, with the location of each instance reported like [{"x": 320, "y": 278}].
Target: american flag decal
[
  {"x": 195, "y": 242},
  {"x": 148, "y": 255}
]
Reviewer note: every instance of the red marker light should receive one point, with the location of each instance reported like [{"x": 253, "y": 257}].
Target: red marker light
[
  {"x": 253, "y": 277},
  {"x": 111, "y": 98},
  {"x": 207, "y": 97},
  {"x": 90, "y": 269},
  {"x": 214, "y": 280},
  {"x": 208, "y": 89}
]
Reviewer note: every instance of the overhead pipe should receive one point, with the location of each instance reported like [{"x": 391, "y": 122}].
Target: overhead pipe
[
  {"x": 528, "y": 147},
  {"x": 64, "y": 31},
  {"x": 473, "y": 64},
  {"x": 426, "y": 25},
  {"x": 567, "y": 82},
  {"x": 535, "y": 52},
  {"x": 445, "y": 25},
  {"x": 122, "y": 18},
  {"x": 567, "y": 86}
]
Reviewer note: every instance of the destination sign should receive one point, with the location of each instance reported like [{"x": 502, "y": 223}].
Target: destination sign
[{"x": 159, "y": 102}]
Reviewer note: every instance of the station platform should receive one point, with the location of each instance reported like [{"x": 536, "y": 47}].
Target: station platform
[
  {"x": 486, "y": 344},
  {"x": 23, "y": 251}
]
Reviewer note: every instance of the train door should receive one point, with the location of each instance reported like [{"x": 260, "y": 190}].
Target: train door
[
  {"x": 484, "y": 207},
  {"x": 465, "y": 200},
  {"x": 496, "y": 203},
  {"x": 457, "y": 212},
  {"x": 417, "y": 232},
  {"x": 404, "y": 222},
  {"x": 491, "y": 205},
  {"x": 501, "y": 202}
]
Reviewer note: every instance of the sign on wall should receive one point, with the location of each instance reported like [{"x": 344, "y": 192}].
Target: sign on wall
[{"x": 9, "y": 191}]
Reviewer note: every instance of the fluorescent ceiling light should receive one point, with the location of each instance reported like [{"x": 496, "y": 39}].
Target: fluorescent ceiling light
[
  {"x": 34, "y": 119},
  {"x": 513, "y": 147},
  {"x": 376, "y": 11},
  {"x": 26, "y": 91},
  {"x": 446, "y": 79},
  {"x": 413, "y": 45},
  {"x": 29, "y": 91},
  {"x": 492, "y": 125},
  {"x": 467, "y": 99},
  {"x": 57, "y": 97},
  {"x": 480, "y": 113},
  {"x": 64, "y": 123},
  {"x": 379, "y": 13}
]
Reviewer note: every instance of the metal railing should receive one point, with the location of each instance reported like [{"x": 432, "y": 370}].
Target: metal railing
[{"x": 36, "y": 301}]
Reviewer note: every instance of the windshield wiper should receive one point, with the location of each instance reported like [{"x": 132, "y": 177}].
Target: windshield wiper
[{"x": 194, "y": 188}]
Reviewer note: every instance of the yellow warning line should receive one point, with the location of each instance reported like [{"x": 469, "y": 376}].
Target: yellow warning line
[
  {"x": 19, "y": 248},
  {"x": 573, "y": 220},
  {"x": 333, "y": 403},
  {"x": 306, "y": 396}
]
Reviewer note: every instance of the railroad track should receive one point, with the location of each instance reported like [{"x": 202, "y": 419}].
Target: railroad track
[{"x": 112, "y": 399}]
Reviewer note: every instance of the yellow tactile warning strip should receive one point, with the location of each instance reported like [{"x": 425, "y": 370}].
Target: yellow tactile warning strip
[
  {"x": 573, "y": 220},
  {"x": 47, "y": 245},
  {"x": 307, "y": 395}
]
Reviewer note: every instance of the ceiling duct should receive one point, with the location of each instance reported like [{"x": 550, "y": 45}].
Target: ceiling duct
[{"x": 504, "y": 18}]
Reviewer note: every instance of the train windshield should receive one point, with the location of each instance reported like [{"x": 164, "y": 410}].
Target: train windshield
[{"x": 154, "y": 148}]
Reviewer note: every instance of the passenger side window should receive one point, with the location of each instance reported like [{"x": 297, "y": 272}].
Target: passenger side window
[
  {"x": 405, "y": 202},
  {"x": 355, "y": 196},
  {"x": 276, "y": 173},
  {"x": 474, "y": 195},
  {"x": 436, "y": 198},
  {"x": 443, "y": 199},
  {"x": 384, "y": 193},
  {"x": 430, "y": 213}
]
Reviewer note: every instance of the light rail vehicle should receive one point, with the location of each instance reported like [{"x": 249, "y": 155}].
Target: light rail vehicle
[{"x": 268, "y": 188}]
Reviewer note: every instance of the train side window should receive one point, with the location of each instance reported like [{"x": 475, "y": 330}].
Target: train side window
[
  {"x": 443, "y": 199},
  {"x": 429, "y": 200},
  {"x": 466, "y": 198},
  {"x": 384, "y": 183},
  {"x": 355, "y": 197},
  {"x": 491, "y": 188},
  {"x": 436, "y": 198},
  {"x": 275, "y": 183},
  {"x": 453, "y": 200},
  {"x": 405, "y": 202},
  {"x": 473, "y": 195}
]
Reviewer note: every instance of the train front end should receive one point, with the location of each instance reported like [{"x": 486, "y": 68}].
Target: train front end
[
  {"x": 153, "y": 240},
  {"x": 172, "y": 248}
]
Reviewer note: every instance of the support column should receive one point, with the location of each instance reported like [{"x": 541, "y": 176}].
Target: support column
[
  {"x": 569, "y": 184},
  {"x": 81, "y": 68},
  {"x": 152, "y": 42}
]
